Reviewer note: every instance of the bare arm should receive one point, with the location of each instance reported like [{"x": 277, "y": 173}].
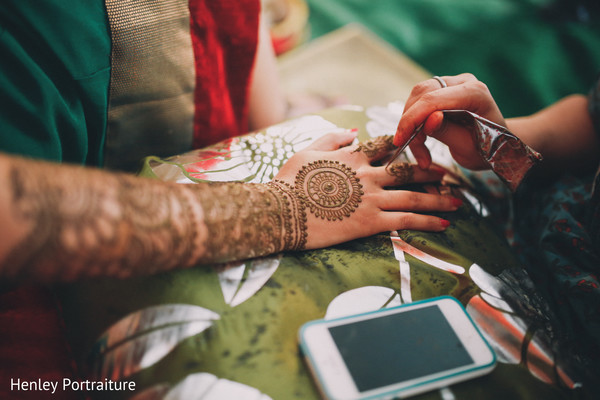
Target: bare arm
[
  {"x": 563, "y": 133},
  {"x": 61, "y": 223},
  {"x": 267, "y": 104}
]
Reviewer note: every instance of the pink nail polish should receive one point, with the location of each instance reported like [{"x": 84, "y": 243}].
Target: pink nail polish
[{"x": 445, "y": 223}]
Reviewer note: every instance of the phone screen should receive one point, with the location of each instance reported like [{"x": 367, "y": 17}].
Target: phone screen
[{"x": 383, "y": 351}]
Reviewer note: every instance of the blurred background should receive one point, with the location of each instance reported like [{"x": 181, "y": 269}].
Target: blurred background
[{"x": 529, "y": 52}]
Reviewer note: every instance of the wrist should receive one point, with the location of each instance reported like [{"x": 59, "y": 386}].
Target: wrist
[{"x": 293, "y": 215}]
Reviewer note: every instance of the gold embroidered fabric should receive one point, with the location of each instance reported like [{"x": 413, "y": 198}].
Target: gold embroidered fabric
[{"x": 151, "y": 107}]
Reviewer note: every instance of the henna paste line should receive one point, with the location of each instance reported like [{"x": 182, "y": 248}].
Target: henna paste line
[
  {"x": 378, "y": 146},
  {"x": 403, "y": 172}
]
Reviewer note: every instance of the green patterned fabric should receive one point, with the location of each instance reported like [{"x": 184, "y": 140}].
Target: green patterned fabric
[{"x": 235, "y": 327}]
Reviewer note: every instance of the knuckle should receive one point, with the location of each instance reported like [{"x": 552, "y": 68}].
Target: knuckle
[
  {"x": 420, "y": 88},
  {"x": 404, "y": 220},
  {"x": 364, "y": 174},
  {"x": 429, "y": 98},
  {"x": 482, "y": 87},
  {"x": 467, "y": 76},
  {"x": 413, "y": 199}
]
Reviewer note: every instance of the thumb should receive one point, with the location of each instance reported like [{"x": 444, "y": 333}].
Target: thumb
[{"x": 433, "y": 123}]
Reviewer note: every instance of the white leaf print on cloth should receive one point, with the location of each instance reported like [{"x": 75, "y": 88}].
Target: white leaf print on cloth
[
  {"x": 251, "y": 158},
  {"x": 202, "y": 386},
  {"x": 426, "y": 258},
  {"x": 384, "y": 120},
  {"x": 361, "y": 300},
  {"x": 240, "y": 282},
  {"x": 142, "y": 338}
]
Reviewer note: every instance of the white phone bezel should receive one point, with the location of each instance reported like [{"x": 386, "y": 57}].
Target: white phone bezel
[{"x": 335, "y": 381}]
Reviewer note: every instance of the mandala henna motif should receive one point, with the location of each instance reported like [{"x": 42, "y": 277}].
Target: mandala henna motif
[
  {"x": 329, "y": 189},
  {"x": 378, "y": 146},
  {"x": 403, "y": 172}
]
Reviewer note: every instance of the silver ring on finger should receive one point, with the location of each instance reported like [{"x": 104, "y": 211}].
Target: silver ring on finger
[{"x": 441, "y": 81}]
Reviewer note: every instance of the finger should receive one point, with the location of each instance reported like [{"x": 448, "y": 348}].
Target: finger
[
  {"x": 471, "y": 95},
  {"x": 376, "y": 148},
  {"x": 432, "y": 84},
  {"x": 333, "y": 141},
  {"x": 421, "y": 153},
  {"x": 405, "y": 220},
  {"x": 433, "y": 123},
  {"x": 399, "y": 174},
  {"x": 405, "y": 200}
]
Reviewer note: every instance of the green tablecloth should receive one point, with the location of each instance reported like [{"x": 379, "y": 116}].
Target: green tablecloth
[{"x": 233, "y": 329}]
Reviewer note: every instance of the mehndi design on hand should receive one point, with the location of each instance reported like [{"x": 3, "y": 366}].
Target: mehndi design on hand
[
  {"x": 403, "y": 172},
  {"x": 329, "y": 189},
  {"x": 294, "y": 216},
  {"x": 378, "y": 146}
]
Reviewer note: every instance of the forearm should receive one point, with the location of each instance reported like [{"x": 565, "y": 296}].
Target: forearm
[
  {"x": 267, "y": 104},
  {"x": 61, "y": 223},
  {"x": 563, "y": 134}
]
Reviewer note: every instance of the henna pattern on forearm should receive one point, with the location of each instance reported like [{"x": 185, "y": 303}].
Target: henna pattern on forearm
[
  {"x": 85, "y": 223},
  {"x": 248, "y": 220},
  {"x": 105, "y": 225},
  {"x": 294, "y": 216},
  {"x": 376, "y": 147},
  {"x": 101, "y": 224},
  {"x": 403, "y": 173},
  {"x": 329, "y": 189}
]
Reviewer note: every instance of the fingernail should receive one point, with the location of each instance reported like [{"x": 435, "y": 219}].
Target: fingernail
[
  {"x": 353, "y": 130},
  {"x": 445, "y": 223},
  {"x": 456, "y": 202}
]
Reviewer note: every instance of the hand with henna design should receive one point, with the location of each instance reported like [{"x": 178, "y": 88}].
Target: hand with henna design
[
  {"x": 62, "y": 223},
  {"x": 345, "y": 196}
]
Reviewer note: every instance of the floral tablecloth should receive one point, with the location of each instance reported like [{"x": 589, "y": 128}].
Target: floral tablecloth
[{"x": 230, "y": 331}]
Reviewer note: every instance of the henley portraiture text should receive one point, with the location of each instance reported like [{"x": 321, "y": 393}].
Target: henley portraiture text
[{"x": 66, "y": 384}]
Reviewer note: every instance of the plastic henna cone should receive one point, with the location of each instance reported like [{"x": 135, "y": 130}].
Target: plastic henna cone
[{"x": 505, "y": 153}]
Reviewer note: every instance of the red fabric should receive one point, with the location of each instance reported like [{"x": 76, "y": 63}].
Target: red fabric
[
  {"x": 224, "y": 38},
  {"x": 32, "y": 343}
]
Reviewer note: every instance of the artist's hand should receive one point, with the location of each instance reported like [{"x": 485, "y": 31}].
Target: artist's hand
[
  {"x": 346, "y": 197},
  {"x": 425, "y": 104}
]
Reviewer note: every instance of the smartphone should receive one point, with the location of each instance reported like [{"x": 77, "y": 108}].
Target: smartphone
[{"x": 395, "y": 352}]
